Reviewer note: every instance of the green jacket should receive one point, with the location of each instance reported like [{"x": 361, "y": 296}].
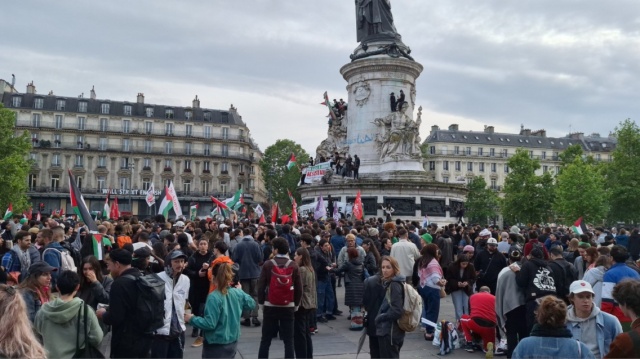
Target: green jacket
[
  {"x": 222, "y": 314},
  {"x": 57, "y": 323}
]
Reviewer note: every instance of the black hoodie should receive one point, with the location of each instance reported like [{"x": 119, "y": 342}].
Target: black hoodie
[{"x": 537, "y": 279}]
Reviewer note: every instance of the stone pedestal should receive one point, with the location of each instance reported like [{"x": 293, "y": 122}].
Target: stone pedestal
[{"x": 370, "y": 81}]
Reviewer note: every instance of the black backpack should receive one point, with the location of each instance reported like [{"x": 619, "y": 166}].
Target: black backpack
[{"x": 149, "y": 302}]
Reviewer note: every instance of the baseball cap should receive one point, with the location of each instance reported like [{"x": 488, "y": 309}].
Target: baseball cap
[
  {"x": 175, "y": 255},
  {"x": 484, "y": 233},
  {"x": 41, "y": 267},
  {"x": 223, "y": 226},
  {"x": 492, "y": 241},
  {"x": 23, "y": 221},
  {"x": 580, "y": 286},
  {"x": 179, "y": 224}
]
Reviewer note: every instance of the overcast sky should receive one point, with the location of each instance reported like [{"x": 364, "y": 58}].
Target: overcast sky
[{"x": 552, "y": 64}]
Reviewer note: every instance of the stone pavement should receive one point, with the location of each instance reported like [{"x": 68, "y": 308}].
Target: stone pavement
[{"x": 335, "y": 340}]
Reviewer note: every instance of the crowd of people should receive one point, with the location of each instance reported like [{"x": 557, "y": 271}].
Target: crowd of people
[{"x": 520, "y": 292}]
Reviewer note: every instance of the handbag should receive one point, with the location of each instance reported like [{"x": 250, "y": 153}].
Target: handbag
[{"x": 88, "y": 351}]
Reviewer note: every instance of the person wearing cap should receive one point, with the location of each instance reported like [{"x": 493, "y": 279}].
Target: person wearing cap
[
  {"x": 36, "y": 288},
  {"x": 168, "y": 342},
  {"x": 469, "y": 251},
  {"x": 127, "y": 340},
  {"x": 510, "y": 304},
  {"x": 587, "y": 323},
  {"x": 488, "y": 264}
]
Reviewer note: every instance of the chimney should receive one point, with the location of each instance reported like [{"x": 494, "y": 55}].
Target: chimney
[
  {"x": 525, "y": 132},
  {"x": 595, "y": 135},
  {"x": 31, "y": 88},
  {"x": 93, "y": 93},
  {"x": 453, "y": 127},
  {"x": 13, "y": 81},
  {"x": 488, "y": 129},
  {"x": 196, "y": 102},
  {"x": 435, "y": 128},
  {"x": 576, "y": 136},
  {"x": 140, "y": 97},
  {"x": 540, "y": 133}
]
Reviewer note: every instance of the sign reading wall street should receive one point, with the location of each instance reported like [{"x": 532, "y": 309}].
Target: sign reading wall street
[
  {"x": 125, "y": 192},
  {"x": 315, "y": 173}
]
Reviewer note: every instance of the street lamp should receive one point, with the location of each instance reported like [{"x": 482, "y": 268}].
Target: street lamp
[
  {"x": 131, "y": 167},
  {"x": 271, "y": 173}
]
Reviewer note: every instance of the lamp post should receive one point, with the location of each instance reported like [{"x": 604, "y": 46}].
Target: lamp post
[
  {"x": 271, "y": 172},
  {"x": 131, "y": 168}
]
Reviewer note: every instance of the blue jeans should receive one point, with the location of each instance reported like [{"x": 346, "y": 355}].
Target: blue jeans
[
  {"x": 430, "y": 306},
  {"x": 325, "y": 297},
  {"x": 460, "y": 303}
]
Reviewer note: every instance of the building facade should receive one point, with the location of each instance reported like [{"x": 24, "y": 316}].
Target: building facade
[
  {"x": 458, "y": 156},
  {"x": 123, "y": 147}
]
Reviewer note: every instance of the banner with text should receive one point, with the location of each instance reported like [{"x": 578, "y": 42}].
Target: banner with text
[{"x": 315, "y": 173}]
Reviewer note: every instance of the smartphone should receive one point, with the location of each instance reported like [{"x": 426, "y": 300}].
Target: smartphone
[{"x": 105, "y": 306}]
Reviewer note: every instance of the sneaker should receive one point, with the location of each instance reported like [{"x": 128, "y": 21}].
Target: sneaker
[
  {"x": 331, "y": 317},
  {"x": 469, "y": 347},
  {"x": 256, "y": 322},
  {"x": 246, "y": 322},
  {"x": 489, "y": 353},
  {"x": 322, "y": 320},
  {"x": 198, "y": 342},
  {"x": 315, "y": 331},
  {"x": 499, "y": 352},
  {"x": 312, "y": 330}
]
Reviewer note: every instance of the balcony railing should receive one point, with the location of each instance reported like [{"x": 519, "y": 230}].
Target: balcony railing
[
  {"x": 95, "y": 190},
  {"x": 142, "y": 149}
]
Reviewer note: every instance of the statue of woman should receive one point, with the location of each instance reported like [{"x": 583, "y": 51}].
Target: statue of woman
[{"x": 373, "y": 17}]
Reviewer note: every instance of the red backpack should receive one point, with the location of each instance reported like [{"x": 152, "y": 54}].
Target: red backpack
[{"x": 280, "y": 290}]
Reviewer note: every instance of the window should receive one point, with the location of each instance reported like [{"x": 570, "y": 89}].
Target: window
[
  {"x": 168, "y": 148},
  {"x": 16, "y": 101},
  {"x": 505, "y": 153},
  {"x": 432, "y": 165},
  {"x": 480, "y": 151},
  {"x": 241, "y": 168},
  {"x": 494, "y": 168},
  {"x": 530, "y": 154},
  {"x": 33, "y": 182},
  {"x": 124, "y": 162},
  {"x": 102, "y": 143},
  {"x": 492, "y": 152},
  {"x": 148, "y": 127},
  {"x": 187, "y": 164},
  {"x": 82, "y": 106},
  {"x": 555, "y": 156},
  {"x": 598, "y": 157},
  {"x": 506, "y": 168},
  {"x": 34, "y": 137},
  {"x": 167, "y": 183},
  {"x": 55, "y": 160},
  {"x": 224, "y": 167},
  {"x": 223, "y": 188},
  {"x": 253, "y": 170},
  {"x": 206, "y": 187},
  {"x": 207, "y": 132},
  {"x": 494, "y": 184},
  {"x": 168, "y": 129},
  {"x": 167, "y": 163},
  {"x": 445, "y": 179},
  {"x": 189, "y": 130},
  {"x": 104, "y": 109},
  {"x": 432, "y": 150},
  {"x": 80, "y": 141},
  {"x": 55, "y": 182},
  {"x": 147, "y": 146},
  {"x": 35, "y": 120},
  {"x": 186, "y": 186},
  {"x": 147, "y": 163},
  {"x": 456, "y": 150},
  {"x": 33, "y": 156},
  {"x": 126, "y": 145},
  {"x": 60, "y": 104},
  {"x": 124, "y": 183},
  {"x": 38, "y": 103},
  {"x": 58, "y": 120},
  {"x": 126, "y": 126},
  {"x": 252, "y": 183},
  {"x": 445, "y": 165},
  {"x": 225, "y": 133},
  {"x": 148, "y": 111},
  {"x": 225, "y": 150},
  {"x": 207, "y": 116},
  {"x": 82, "y": 121},
  {"x": 104, "y": 124},
  {"x": 188, "y": 115},
  {"x": 102, "y": 161},
  {"x": 57, "y": 140},
  {"x": 481, "y": 166},
  {"x": 101, "y": 182},
  {"x": 187, "y": 148},
  {"x": 224, "y": 117},
  {"x": 470, "y": 166},
  {"x": 79, "y": 161},
  {"x": 146, "y": 184},
  {"x": 127, "y": 110},
  {"x": 545, "y": 169},
  {"x": 206, "y": 166},
  {"x": 468, "y": 150},
  {"x": 457, "y": 165},
  {"x": 241, "y": 134},
  {"x": 544, "y": 155},
  {"x": 168, "y": 113}
]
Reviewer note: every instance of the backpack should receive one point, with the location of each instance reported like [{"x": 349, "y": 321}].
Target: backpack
[
  {"x": 66, "y": 260},
  {"x": 411, "y": 309},
  {"x": 149, "y": 305},
  {"x": 75, "y": 253},
  {"x": 280, "y": 291}
]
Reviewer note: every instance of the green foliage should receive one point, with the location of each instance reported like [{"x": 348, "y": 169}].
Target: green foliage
[
  {"x": 570, "y": 154},
  {"x": 14, "y": 154},
  {"x": 527, "y": 197},
  {"x": 482, "y": 202},
  {"x": 580, "y": 192},
  {"x": 622, "y": 174},
  {"x": 277, "y": 178}
]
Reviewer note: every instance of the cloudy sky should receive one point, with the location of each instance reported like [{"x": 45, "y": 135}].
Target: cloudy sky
[{"x": 560, "y": 65}]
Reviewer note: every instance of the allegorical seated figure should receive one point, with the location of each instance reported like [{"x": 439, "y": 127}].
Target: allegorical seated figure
[{"x": 399, "y": 136}]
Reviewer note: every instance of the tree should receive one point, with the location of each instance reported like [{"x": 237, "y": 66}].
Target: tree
[
  {"x": 277, "y": 178},
  {"x": 527, "y": 197},
  {"x": 14, "y": 154},
  {"x": 571, "y": 153},
  {"x": 580, "y": 192},
  {"x": 482, "y": 202},
  {"x": 622, "y": 179}
]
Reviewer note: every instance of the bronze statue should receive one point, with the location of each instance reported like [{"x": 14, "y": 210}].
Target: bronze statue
[{"x": 374, "y": 20}]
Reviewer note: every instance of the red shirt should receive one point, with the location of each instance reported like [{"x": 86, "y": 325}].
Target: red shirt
[
  {"x": 483, "y": 305},
  {"x": 529, "y": 246}
]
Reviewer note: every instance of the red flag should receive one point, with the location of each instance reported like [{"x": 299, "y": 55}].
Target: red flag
[
  {"x": 28, "y": 214},
  {"x": 262, "y": 220},
  {"x": 294, "y": 212},
  {"x": 285, "y": 218},
  {"x": 275, "y": 212},
  {"x": 61, "y": 212},
  {"x": 115, "y": 210},
  {"x": 357, "y": 207}
]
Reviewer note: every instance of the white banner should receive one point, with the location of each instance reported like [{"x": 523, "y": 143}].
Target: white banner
[
  {"x": 315, "y": 173},
  {"x": 174, "y": 198},
  {"x": 151, "y": 197},
  {"x": 259, "y": 211}
]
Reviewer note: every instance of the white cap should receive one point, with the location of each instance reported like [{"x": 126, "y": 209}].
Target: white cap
[
  {"x": 179, "y": 224},
  {"x": 492, "y": 241},
  {"x": 222, "y": 225},
  {"x": 580, "y": 286},
  {"x": 484, "y": 233}
]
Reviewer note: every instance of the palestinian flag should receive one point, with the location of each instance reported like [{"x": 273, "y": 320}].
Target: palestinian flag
[
  {"x": 579, "y": 227},
  {"x": 97, "y": 245},
  {"x": 222, "y": 207},
  {"x": 106, "y": 210},
  {"x": 193, "y": 211},
  {"x": 327, "y": 103},
  {"x": 236, "y": 201},
  {"x": 115, "y": 209},
  {"x": 275, "y": 212},
  {"x": 167, "y": 202},
  {"x": 9, "y": 212},
  {"x": 292, "y": 162},
  {"x": 174, "y": 198},
  {"x": 357, "y": 207},
  {"x": 79, "y": 206}
]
